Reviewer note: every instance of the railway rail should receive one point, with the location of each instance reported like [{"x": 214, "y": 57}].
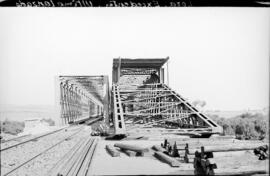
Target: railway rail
[
  {"x": 42, "y": 152},
  {"x": 29, "y": 140},
  {"x": 15, "y": 138},
  {"x": 78, "y": 160}
]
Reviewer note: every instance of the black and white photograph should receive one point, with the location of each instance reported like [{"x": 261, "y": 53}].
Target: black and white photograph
[{"x": 134, "y": 88}]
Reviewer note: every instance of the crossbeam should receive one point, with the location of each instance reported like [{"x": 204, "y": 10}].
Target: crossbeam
[{"x": 144, "y": 99}]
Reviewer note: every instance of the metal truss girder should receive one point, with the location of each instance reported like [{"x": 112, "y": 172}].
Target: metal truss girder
[
  {"x": 173, "y": 131},
  {"x": 119, "y": 123},
  {"x": 206, "y": 119},
  {"x": 76, "y": 103},
  {"x": 145, "y": 91},
  {"x": 151, "y": 114},
  {"x": 157, "y": 121},
  {"x": 135, "y": 71},
  {"x": 144, "y": 99},
  {"x": 138, "y": 85},
  {"x": 154, "y": 103},
  {"x": 156, "y": 107},
  {"x": 85, "y": 92}
]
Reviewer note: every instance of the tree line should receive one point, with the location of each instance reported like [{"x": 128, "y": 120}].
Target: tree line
[{"x": 245, "y": 126}]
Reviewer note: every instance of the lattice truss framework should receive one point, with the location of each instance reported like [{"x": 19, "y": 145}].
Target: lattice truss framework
[
  {"x": 150, "y": 107},
  {"x": 76, "y": 101}
]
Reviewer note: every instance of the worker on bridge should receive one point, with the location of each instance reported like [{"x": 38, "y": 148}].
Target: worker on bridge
[{"x": 154, "y": 78}]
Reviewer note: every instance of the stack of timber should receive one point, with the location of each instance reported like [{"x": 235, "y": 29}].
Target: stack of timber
[
  {"x": 178, "y": 147},
  {"x": 132, "y": 150},
  {"x": 78, "y": 160},
  {"x": 200, "y": 152}
]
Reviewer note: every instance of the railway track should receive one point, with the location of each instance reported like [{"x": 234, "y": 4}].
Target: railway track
[
  {"x": 77, "y": 161},
  {"x": 28, "y": 140},
  {"x": 15, "y": 138},
  {"x": 22, "y": 164}
]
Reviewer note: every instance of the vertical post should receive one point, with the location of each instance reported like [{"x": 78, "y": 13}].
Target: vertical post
[
  {"x": 58, "y": 101},
  {"x": 106, "y": 99},
  {"x": 72, "y": 102},
  {"x": 162, "y": 75},
  {"x": 119, "y": 123},
  {"x": 119, "y": 70},
  {"x": 168, "y": 71},
  {"x": 65, "y": 103},
  {"x": 76, "y": 101},
  {"x": 89, "y": 108},
  {"x": 64, "y": 112}
]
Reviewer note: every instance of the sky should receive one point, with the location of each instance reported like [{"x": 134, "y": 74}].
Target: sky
[{"x": 219, "y": 55}]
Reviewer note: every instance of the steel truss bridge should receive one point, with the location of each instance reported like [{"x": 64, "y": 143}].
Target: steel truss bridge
[
  {"x": 83, "y": 97},
  {"x": 142, "y": 102}
]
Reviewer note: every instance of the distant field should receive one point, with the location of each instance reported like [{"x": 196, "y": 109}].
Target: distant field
[
  {"x": 21, "y": 113},
  {"x": 225, "y": 114},
  {"x": 230, "y": 114}
]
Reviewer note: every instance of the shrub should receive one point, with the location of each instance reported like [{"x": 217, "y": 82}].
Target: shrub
[
  {"x": 12, "y": 127},
  {"x": 245, "y": 126}
]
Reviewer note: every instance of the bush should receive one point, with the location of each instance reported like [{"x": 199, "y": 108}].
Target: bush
[
  {"x": 245, "y": 126},
  {"x": 12, "y": 127}
]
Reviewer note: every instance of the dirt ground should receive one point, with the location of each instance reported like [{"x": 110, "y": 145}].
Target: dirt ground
[
  {"x": 227, "y": 162},
  {"x": 104, "y": 164}
]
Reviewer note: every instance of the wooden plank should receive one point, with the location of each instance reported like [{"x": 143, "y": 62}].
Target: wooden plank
[
  {"x": 215, "y": 142},
  {"x": 243, "y": 172},
  {"x": 171, "y": 161},
  {"x": 220, "y": 145},
  {"x": 129, "y": 153},
  {"x": 112, "y": 151},
  {"x": 158, "y": 148},
  {"x": 131, "y": 147},
  {"x": 222, "y": 149}
]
